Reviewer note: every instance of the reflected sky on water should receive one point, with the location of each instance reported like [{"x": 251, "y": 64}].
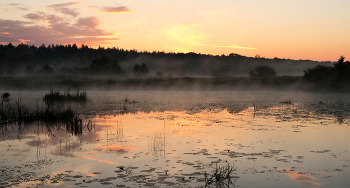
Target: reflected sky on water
[{"x": 178, "y": 138}]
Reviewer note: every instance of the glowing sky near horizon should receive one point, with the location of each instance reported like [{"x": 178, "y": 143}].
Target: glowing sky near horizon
[{"x": 295, "y": 29}]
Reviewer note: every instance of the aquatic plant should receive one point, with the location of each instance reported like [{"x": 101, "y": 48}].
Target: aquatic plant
[
  {"x": 67, "y": 96},
  {"x": 222, "y": 176},
  {"x": 5, "y": 97},
  {"x": 286, "y": 102},
  {"x": 49, "y": 114}
]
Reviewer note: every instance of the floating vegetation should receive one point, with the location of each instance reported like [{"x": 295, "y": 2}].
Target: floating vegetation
[
  {"x": 127, "y": 101},
  {"x": 67, "y": 96},
  {"x": 286, "y": 102},
  {"x": 221, "y": 177}
]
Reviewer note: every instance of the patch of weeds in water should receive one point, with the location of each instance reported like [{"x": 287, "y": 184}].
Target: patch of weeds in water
[
  {"x": 286, "y": 102},
  {"x": 50, "y": 114},
  {"x": 53, "y": 95},
  {"x": 222, "y": 176},
  {"x": 127, "y": 170},
  {"x": 120, "y": 185}
]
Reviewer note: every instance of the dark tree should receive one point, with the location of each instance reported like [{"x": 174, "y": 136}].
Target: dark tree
[
  {"x": 1, "y": 73},
  {"x": 105, "y": 66},
  {"x": 263, "y": 71},
  {"x": 47, "y": 69},
  {"x": 140, "y": 70},
  {"x": 342, "y": 70},
  {"x": 159, "y": 74},
  {"x": 336, "y": 78},
  {"x": 339, "y": 73},
  {"x": 28, "y": 70},
  {"x": 320, "y": 74},
  {"x": 111, "y": 68},
  {"x": 99, "y": 62}
]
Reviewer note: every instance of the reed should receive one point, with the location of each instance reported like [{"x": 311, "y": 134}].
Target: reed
[
  {"x": 286, "y": 102},
  {"x": 49, "y": 113},
  {"x": 222, "y": 176},
  {"x": 53, "y": 95}
]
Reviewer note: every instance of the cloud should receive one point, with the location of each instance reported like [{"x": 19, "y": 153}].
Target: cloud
[
  {"x": 22, "y": 8},
  {"x": 83, "y": 27},
  {"x": 18, "y": 6},
  {"x": 24, "y": 40},
  {"x": 83, "y": 31},
  {"x": 42, "y": 17},
  {"x": 90, "y": 22},
  {"x": 50, "y": 28},
  {"x": 62, "y": 8},
  {"x": 116, "y": 10}
]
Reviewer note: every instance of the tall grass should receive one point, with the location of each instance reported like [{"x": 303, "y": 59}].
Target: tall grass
[
  {"x": 48, "y": 113},
  {"x": 53, "y": 95}
]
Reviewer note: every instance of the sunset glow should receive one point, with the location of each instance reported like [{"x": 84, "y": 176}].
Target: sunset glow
[{"x": 314, "y": 30}]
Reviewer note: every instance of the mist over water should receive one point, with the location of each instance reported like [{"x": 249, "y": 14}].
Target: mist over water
[{"x": 179, "y": 138}]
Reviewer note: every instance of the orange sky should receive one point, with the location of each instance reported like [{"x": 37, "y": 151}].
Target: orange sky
[{"x": 296, "y": 29}]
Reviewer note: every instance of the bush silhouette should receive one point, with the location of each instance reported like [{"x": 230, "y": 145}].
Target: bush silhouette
[
  {"x": 334, "y": 78},
  {"x": 105, "y": 65},
  {"x": 140, "y": 70}
]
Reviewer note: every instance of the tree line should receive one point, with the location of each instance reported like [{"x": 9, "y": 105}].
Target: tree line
[
  {"x": 333, "y": 78},
  {"x": 66, "y": 58}
]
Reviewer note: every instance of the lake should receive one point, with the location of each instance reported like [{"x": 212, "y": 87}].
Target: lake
[{"x": 184, "y": 139}]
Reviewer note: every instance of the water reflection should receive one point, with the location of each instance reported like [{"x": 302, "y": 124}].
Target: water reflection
[
  {"x": 157, "y": 145},
  {"x": 139, "y": 143},
  {"x": 303, "y": 178}
]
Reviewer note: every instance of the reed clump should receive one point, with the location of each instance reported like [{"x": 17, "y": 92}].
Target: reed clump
[
  {"x": 286, "y": 102},
  {"x": 58, "y": 96},
  {"x": 222, "y": 176},
  {"x": 48, "y": 113}
]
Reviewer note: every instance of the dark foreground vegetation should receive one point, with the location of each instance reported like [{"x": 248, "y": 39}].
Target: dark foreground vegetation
[
  {"x": 332, "y": 78},
  {"x": 58, "y": 96},
  {"x": 49, "y": 114}
]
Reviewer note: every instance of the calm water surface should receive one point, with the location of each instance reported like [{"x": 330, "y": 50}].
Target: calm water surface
[{"x": 178, "y": 139}]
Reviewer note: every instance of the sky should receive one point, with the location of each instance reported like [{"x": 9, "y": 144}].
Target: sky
[{"x": 292, "y": 29}]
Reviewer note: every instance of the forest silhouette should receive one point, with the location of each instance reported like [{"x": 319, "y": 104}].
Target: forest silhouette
[{"x": 64, "y": 60}]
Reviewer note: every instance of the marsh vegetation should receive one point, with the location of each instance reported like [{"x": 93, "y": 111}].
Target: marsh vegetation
[
  {"x": 57, "y": 96},
  {"x": 47, "y": 113}
]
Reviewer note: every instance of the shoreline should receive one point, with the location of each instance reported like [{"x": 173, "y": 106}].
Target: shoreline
[{"x": 84, "y": 82}]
